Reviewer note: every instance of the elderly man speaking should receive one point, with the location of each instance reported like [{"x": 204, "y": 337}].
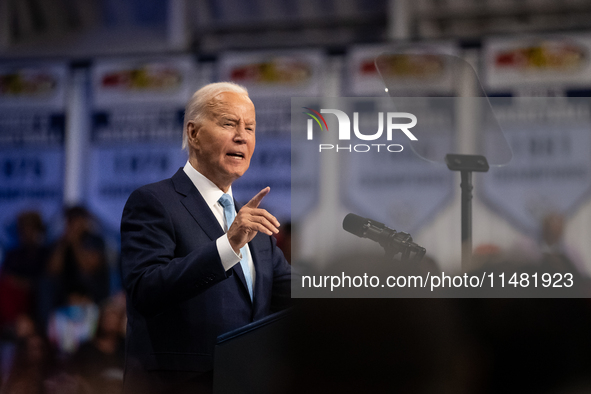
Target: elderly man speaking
[{"x": 195, "y": 264}]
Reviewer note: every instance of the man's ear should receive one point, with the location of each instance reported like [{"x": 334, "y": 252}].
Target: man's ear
[{"x": 192, "y": 133}]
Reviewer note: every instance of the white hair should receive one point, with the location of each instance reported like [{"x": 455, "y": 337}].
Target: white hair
[{"x": 197, "y": 107}]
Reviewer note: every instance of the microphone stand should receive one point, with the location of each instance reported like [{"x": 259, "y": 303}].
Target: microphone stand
[{"x": 402, "y": 243}]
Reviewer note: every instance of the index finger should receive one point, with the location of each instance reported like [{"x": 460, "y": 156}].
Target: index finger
[{"x": 256, "y": 200}]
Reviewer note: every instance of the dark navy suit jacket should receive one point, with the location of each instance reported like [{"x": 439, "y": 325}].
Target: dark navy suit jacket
[{"x": 179, "y": 297}]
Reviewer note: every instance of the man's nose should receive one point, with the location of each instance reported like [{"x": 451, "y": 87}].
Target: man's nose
[{"x": 240, "y": 132}]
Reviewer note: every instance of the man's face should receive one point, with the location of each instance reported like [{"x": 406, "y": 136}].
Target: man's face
[{"x": 224, "y": 141}]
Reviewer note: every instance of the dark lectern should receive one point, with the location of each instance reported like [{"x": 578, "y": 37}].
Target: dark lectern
[{"x": 252, "y": 359}]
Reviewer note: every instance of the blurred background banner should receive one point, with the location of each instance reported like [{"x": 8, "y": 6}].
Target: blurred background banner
[
  {"x": 549, "y": 134},
  {"x": 32, "y": 125},
  {"x": 531, "y": 65},
  {"x": 136, "y": 134},
  {"x": 551, "y": 167},
  {"x": 362, "y": 77},
  {"x": 272, "y": 78}
]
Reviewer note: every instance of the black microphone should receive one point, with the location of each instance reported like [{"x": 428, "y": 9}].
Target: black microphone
[
  {"x": 391, "y": 240},
  {"x": 367, "y": 228}
]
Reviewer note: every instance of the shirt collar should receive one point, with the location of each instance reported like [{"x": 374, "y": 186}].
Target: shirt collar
[{"x": 208, "y": 190}]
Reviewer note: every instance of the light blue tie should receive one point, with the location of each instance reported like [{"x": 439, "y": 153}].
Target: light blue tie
[{"x": 230, "y": 213}]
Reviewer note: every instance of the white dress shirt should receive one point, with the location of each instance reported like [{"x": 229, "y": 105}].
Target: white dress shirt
[{"x": 211, "y": 194}]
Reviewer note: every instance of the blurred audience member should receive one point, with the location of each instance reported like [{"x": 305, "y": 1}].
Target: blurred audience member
[
  {"x": 23, "y": 328},
  {"x": 99, "y": 362},
  {"x": 486, "y": 254},
  {"x": 32, "y": 365},
  {"x": 550, "y": 248},
  {"x": 78, "y": 259},
  {"x": 555, "y": 252},
  {"x": 22, "y": 269},
  {"x": 74, "y": 323}
]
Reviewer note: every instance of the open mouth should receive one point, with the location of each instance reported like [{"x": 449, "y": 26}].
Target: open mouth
[{"x": 236, "y": 155}]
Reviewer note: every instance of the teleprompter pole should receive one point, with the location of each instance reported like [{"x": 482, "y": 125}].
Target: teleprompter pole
[
  {"x": 466, "y": 164},
  {"x": 466, "y": 186}
]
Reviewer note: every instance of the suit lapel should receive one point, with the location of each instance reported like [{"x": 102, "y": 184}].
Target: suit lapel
[
  {"x": 196, "y": 205},
  {"x": 200, "y": 211}
]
